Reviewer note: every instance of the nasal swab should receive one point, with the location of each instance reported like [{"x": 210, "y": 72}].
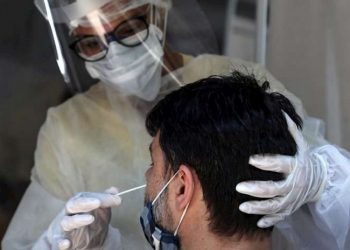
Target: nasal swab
[{"x": 130, "y": 190}]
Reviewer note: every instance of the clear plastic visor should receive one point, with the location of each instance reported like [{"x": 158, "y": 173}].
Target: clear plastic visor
[{"x": 126, "y": 23}]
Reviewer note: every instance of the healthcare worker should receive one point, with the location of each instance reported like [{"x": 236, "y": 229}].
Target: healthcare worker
[{"x": 97, "y": 139}]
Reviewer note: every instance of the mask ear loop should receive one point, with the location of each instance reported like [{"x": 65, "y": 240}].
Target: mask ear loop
[
  {"x": 165, "y": 186},
  {"x": 182, "y": 216},
  {"x": 181, "y": 219}
]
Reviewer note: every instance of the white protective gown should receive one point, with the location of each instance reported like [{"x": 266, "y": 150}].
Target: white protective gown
[{"x": 98, "y": 139}]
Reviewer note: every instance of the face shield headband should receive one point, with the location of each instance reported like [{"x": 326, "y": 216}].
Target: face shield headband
[{"x": 70, "y": 11}]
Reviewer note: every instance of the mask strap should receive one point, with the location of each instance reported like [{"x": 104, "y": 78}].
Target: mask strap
[
  {"x": 165, "y": 186},
  {"x": 181, "y": 219}
]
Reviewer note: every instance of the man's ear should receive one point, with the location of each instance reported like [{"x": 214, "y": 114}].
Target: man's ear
[{"x": 184, "y": 187}]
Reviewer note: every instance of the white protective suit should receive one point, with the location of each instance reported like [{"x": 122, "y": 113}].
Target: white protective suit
[{"x": 97, "y": 139}]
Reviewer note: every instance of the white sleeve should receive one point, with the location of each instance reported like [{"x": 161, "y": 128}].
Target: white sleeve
[
  {"x": 33, "y": 216},
  {"x": 324, "y": 224}
]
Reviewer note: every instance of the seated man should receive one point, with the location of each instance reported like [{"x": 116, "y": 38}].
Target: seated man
[{"x": 203, "y": 136}]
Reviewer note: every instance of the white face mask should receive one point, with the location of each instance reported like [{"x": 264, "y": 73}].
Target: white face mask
[{"x": 132, "y": 71}]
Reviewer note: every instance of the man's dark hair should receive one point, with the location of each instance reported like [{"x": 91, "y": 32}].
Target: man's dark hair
[{"x": 213, "y": 126}]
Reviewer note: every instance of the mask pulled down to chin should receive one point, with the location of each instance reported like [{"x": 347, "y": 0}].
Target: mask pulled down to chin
[{"x": 134, "y": 71}]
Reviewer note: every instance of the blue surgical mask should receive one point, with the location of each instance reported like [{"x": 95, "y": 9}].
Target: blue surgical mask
[{"x": 157, "y": 237}]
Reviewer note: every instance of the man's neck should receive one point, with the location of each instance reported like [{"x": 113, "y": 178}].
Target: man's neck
[
  {"x": 194, "y": 232},
  {"x": 209, "y": 242},
  {"x": 195, "y": 236}
]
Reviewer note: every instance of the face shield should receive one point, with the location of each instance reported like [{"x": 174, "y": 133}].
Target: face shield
[
  {"x": 123, "y": 42},
  {"x": 108, "y": 38}
]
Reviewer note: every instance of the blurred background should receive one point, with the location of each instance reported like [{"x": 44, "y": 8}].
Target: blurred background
[{"x": 308, "y": 50}]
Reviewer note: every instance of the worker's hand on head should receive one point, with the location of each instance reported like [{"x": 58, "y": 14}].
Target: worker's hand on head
[
  {"x": 84, "y": 222},
  {"x": 305, "y": 179}
]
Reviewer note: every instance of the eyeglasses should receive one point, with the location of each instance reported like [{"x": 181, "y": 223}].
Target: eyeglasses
[{"x": 129, "y": 33}]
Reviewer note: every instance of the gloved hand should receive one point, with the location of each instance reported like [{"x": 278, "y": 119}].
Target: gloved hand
[
  {"x": 84, "y": 223},
  {"x": 305, "y": 179}
]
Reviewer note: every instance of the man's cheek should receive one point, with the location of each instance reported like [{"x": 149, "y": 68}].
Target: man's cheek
[{"x": 148, "y": 191}]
